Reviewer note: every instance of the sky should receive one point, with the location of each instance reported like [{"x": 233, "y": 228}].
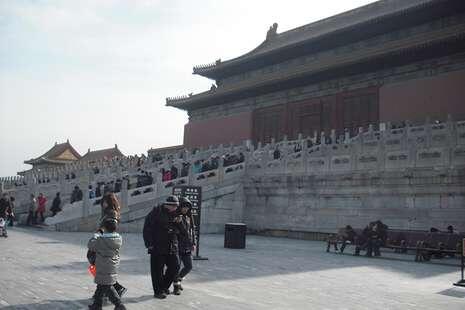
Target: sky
[{"x": 97, "y": 72}]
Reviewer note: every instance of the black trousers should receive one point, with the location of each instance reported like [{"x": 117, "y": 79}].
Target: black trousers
[
  {"x": 118, "y": 287},
  {"x": 106, "y": 290},
  {"x": 11, "y": 220},
  {"x": 42, "y": 218},
  {"x": 162, "y": 281},
  {"x": 31, "y": 219},
  {"x": 186, "y": 260}
]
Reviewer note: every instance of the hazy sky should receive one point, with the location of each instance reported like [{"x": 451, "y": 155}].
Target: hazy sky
[{"x": 97, "y": 72}]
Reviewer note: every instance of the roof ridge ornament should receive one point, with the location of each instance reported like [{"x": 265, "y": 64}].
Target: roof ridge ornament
[{"x": 272, "y": 32}]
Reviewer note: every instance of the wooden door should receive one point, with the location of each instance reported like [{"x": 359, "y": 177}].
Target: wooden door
[
  {"x": 304, "y": 118},
  {"x": 269, "y": 123}
]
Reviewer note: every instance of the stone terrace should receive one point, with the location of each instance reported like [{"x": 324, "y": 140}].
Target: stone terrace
[{"x": 47, "y": 270}]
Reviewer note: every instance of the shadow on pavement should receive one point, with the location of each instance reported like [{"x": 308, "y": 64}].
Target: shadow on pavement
[
  {"x": 52, "y": 304},
  {"x": 453, "y": 292},
  {"x": 71, "y": 304}
]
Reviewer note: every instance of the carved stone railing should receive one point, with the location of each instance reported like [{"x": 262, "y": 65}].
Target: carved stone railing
[
  {"x": 141, "y": 194},
  {"x": 430, "y": 145}
]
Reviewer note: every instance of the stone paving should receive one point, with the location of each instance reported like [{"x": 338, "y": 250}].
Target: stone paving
[{"x": 48, "y": 270}]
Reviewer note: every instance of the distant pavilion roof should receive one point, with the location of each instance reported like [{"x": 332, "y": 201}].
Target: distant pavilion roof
[
  {"x": 92, "y": 156},
  {"x": 173, "y": 148},
  {"x": 62, "y": 153}
]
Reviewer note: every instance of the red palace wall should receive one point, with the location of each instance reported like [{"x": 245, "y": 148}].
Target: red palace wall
[
  {"x": 412, "y": 100},
  {"x": 415, "y": 100},
  {"x": 235, "y": 128}
]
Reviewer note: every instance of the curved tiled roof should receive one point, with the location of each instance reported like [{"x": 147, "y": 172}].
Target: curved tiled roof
[
  {"x": 102, "y": 154},
  {"x": 327, "y": 62},
  {"x": 366, "y": 14},
  {"x": 51, "y": 156}
]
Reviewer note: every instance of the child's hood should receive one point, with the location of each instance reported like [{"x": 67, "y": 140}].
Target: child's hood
[{"x": 111, "y": 240}]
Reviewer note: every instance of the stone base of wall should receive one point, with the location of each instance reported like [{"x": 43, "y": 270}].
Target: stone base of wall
[
  {"x": 303, "y": 235},
  {"x": 417, "y": 200}
]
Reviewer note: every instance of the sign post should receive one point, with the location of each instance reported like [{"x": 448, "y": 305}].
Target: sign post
[
  {"x": 461, "y": 282},
  {"x": 194, "y": 194}
]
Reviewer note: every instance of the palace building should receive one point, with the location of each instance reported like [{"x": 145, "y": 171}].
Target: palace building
[
  {"x": 59, "y": 155},
  {"x": 389, "y": 61},
  {"x": 64, "y": 153}
]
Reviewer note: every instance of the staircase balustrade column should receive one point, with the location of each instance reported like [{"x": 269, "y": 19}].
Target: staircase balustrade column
[
  {"x": 85, "y": 199},
  {"x": 221, "y": 169},
  {"x": 428, "y": 132},
  {"x": 305, "y": 155},
  {"x": 159, "y": 183},
  {"x": 124, "y": 195}
]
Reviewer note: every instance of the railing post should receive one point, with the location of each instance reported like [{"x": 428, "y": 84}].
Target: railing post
[
  {"x": 159, "y": 183},
  {"x": 305, "y": 154},
  {"x": 85, "y": 199},
  {"x": 221, "y": 169},
  {"x": 124, "y": 195},
  {"x": 428, "y": 132}
]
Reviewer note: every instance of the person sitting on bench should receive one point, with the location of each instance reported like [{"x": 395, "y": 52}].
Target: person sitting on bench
[
  {"x": 379, "y": 237},
  {"x": 369, "y": 240},
  {"x": 348, "y": 236}
]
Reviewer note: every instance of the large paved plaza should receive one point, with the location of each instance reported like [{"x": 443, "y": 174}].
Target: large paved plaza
[{"x": 48, "y": 270}]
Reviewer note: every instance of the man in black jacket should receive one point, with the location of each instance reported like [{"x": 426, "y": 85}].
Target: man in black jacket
[
  {"x": 186, "y": 242},
  {"x": 161, "y": 229}
]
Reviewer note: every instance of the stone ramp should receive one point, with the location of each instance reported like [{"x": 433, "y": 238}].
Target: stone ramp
[{"x": 221, "y": 203}]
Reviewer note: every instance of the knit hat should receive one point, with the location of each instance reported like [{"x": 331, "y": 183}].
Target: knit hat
[{"x": 172, "y": 200}]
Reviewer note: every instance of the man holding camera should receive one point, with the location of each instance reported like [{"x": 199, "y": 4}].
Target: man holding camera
[{"x": 161, "y": 229}]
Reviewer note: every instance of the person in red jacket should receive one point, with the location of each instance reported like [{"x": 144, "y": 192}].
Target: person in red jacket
[{"x": 41, "y": 201}]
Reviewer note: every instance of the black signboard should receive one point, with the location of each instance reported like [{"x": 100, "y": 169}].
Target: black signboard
[{"x": 194, "y": 194}]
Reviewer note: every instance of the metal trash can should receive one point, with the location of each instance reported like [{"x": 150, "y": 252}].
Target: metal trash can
[{"x": 234, "y": 235}]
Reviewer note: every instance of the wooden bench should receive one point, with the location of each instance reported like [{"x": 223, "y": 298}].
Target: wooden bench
[
  {"x": 339, "y": 239},
  {"x": 438, "y": 245},
  {"x": 426, "y": 245}
]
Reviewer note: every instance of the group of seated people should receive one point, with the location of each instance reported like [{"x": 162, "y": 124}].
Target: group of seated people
[{"x": 373, "y": 237}]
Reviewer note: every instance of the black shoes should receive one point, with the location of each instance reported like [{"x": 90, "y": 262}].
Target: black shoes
[
  {"x": 120, "y": 307},
  {"x": 122, "y": 291},
  {"x": 161, "y": 295},
  {"x": 177, "y": 290}
]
